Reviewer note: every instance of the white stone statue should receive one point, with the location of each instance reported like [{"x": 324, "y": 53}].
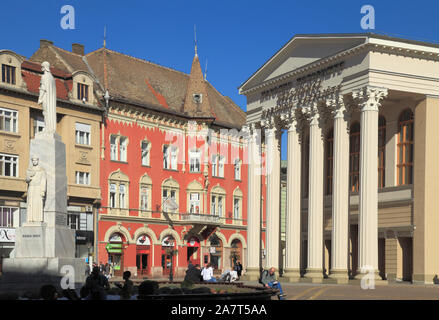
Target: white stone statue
[
  {"x": 36, "y": 192},
  {"x": 47, "y": 98}
]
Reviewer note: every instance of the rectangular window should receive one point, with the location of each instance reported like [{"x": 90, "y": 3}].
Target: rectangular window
[
  {"x": 169, "y": 157},
  {"x": 112, "y": 195},
  {"x": 195, "y": 161},
  {"x": 7, "y": 216},
  {"x": 214, "y": 165},
  {"x": 236, "y": 207},
  {"x": 8, "y": 165},
  {"x": 213, "y": 206},
  {"x": 113, "y": 148},
  {"x": 8, "y": 74},
  {"x": 145, "y": 153},
  {"x": 8, "y": 120},
  {"x": 122, "y": 196},
  {"x": 82, "y": 92},
  {"x": 82, "y": 132},
  {"x": 221, "y": 163},
  {"x": 237, "y": 169},
  {"x": 220, "y": 206},
  {"x": 123, "y": 149},
  {"x": 38, "y": 124},
  {"x": 73, "y": 221},
  {"x": 194, "y": 203},
  {"x": 83, "y": 178},
  {"x": 144, "y": 198}
]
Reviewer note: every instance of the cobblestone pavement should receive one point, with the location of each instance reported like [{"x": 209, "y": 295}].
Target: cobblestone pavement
[{"x": 397, "y": 291}]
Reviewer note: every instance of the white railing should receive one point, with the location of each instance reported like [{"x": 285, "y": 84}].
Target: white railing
[{"x": 203, "y": 218}]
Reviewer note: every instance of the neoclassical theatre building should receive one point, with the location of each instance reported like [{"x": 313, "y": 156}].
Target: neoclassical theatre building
[{"x": 359, "y": 112}]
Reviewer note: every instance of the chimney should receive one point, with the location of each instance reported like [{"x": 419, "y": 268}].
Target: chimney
[
  {"x": 45, "y": 43},
  {"x": 78, "y": 48}
]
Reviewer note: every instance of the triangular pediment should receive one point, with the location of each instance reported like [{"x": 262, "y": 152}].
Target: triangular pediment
[{"x": 301, "y": 50}]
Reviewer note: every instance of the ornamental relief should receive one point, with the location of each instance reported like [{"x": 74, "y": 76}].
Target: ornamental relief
[
  {"x": 8, "y": 145},
  {"x": 83, "y": 158}
]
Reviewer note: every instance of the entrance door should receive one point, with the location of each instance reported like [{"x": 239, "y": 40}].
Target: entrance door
[
  {"x": 193, "y": 251},
  {"x": 117, "y": 259},
  {"x": 142, "y": 263},
  {"x": 166, "y": 262}
]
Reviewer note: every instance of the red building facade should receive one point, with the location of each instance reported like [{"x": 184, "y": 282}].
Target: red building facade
[{"x": 173, "y": 171}]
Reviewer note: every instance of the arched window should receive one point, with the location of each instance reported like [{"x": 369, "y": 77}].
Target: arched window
[
  {"x": 217, "y": 201},
  {"x": 405, "y": 148},
  {"x": 381, "y": 152},
  {"x": 145, "y": 195},
  {"x": 354, "y": 157},
  {"x": 170, "y": 195},
  {"x": 329, "y": 160}
]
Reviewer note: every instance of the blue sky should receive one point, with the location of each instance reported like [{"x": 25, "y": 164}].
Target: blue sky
[{"x": 236, "y": 37}]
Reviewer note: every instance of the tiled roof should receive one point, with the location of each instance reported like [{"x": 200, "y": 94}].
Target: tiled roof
[
  {"x": 143, "y": 83},
  {"x": 31, "y": 73}
]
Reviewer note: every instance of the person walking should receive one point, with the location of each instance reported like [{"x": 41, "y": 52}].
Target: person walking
[
  {"x": 238, "y": 268},
  {"x": 207, "y": 274},
  {"x": 268, "y": 279}
]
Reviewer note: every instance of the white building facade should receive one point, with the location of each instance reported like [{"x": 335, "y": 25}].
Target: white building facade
[{"x": 358, "y": 113}]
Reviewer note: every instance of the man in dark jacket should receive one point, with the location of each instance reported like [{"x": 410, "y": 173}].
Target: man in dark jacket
[
  {"x": 96, "y": 284},
  {"x": 193, "y": 274},
  {"x": 268, "y": 279}
]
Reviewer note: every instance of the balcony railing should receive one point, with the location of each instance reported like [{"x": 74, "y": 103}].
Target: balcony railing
[{"x": 200, "y": 218}]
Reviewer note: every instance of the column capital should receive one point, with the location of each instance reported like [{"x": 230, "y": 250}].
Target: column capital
[{"x": 369, "y": 98}]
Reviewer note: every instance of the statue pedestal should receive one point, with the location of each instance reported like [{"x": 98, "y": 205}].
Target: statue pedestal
[{"x": 43, "y": 248}]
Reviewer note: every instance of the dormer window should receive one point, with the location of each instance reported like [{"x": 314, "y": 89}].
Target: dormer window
[
  {"x": 82, "y": 92},
  {"x": 198, "y": 98},
  {"x": 8, "y": 74}
]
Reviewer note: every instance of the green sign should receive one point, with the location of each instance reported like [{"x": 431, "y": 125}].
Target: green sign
[
  {"x": 113, "y": 246},
  {"x": 114, "y": 250}
]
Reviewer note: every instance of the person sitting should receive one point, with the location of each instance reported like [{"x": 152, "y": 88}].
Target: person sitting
[
  {"x": 48, "y": 292},
  {"x": 207, "y": 274},
  {"x": 147, "y": 288},
  {"x": 193, "y": 274},
  {"x": 268, "y": 279},
  {"x": 127, "y": 287}
]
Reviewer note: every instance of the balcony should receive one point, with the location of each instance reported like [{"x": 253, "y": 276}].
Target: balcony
[{"x": 196, "y": 218}]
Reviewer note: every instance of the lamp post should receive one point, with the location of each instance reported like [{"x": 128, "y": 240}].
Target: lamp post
[{"x": 171, "y": 251}]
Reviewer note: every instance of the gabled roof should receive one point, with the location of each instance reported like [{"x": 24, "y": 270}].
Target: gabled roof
[{"x": 317, "y": 47}]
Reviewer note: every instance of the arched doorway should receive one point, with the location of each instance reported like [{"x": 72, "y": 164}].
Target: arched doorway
[
  {"x": 235, "y": 252},
  {"x": 143, "y": 255},
  {"x": 168, "y": 258},
  {"x": 115, "y": 253},
  {"x": 216, "y": 252},
  {"x": 193, "y": 251}
]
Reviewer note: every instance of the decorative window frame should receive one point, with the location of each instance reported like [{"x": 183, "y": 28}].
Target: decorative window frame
[
  {"x": 195, "y": 187},
  {"x": 218, "y": 191},
  {"x": 12, "y": 59},
  {"x": 82, "y": 77},
  {"x": 119, "y": 178},
  {"x": 145, "y": 182},
  {"x": 237, "y": 194},
  {"x": 118, "y": 136},
  {"x": 170, "y": 184}
]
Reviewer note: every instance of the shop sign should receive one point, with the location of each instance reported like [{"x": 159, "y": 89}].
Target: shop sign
[
  {"x": 7, "y": 235},
  {"x": 114, "y": 246},
  {"x": 193, "y": 242},
  {"x": 115, "y": 237},
  {"x": 212, "y": 250}
]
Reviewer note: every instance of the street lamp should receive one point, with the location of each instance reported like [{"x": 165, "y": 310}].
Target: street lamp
[{"x": 171, "y": 252}]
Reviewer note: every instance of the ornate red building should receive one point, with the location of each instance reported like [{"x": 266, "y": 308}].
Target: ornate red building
[{"x": 173, "y": 170}]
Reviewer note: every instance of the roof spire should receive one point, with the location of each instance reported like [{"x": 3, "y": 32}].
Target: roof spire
[
  {"x": 105, "y": 36},
  {"x": 195, "y": 39}
]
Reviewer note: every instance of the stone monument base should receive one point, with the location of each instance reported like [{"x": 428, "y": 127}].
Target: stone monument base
[{"x": 21, "y": 275}]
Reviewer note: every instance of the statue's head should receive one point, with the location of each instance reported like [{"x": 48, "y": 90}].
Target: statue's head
[
  {"x": 35, "y": 160},
  {"x": 45, "y": 66}
]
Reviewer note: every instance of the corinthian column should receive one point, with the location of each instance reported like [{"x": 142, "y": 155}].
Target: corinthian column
[
  {"x": 369, "y": 102},
  {"x": 340, "y": 195},
  {"x": 272, "y": 235},
  {"x": 315, "y": 200},
  {"x": 292, "y": 246},
  {"x": 253, "y": 207}
]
